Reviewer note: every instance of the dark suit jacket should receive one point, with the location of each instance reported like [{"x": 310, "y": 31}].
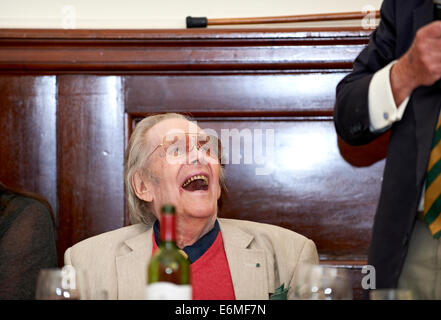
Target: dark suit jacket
[
  {"x": 27, "y": 244},
  {"x": 410, "y": 141}
]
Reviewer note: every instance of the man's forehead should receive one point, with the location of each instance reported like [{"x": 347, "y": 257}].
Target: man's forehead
[
  {"x": 170, "y": 127},
  {"x": 173, "y": 126}
]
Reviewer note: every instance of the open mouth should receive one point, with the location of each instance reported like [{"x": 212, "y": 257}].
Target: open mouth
[{"x": 195, "y": 183}]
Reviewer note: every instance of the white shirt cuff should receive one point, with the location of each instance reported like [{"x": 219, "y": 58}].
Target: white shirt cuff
[{"x": 383, "y": 111}]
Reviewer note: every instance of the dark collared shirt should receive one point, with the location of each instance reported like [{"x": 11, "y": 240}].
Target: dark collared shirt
[{"x": 195, "y": 251}]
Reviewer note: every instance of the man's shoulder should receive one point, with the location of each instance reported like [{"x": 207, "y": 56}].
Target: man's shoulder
[
  {"x": 109, "y": 240},
  {"x": 20, "y": 205},
  {"x": 259, "y": 229},
  {"x": 284, "y": 245}
]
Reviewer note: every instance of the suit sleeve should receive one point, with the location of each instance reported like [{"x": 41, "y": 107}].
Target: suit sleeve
[
  {"x": 67, "y": 258},
  {"x": 308, "y": 255},
  {"x": 351, "y": 110},
  {"x": 27, "y": 247}
]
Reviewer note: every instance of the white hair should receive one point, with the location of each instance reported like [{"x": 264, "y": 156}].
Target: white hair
[{"x": 134, "y": 161}]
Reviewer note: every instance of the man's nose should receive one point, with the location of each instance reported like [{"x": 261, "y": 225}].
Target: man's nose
[{"x": 193, "y": 156}]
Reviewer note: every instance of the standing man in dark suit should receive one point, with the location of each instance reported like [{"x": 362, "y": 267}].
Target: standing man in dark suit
[{"x": 393, "y": 87}]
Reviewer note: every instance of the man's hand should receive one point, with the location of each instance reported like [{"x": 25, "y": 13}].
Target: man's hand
[{"x": 420, "y": 65}]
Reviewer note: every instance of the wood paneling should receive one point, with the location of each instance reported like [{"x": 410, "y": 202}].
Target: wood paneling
[
  {"x": 306, "y": 186},
  {"x": 178, "y": 50},
  {"x": 241, "y": 95},
  {"x": 90, "y": 134},
  {"x": 28, "y": 134},
  {"x": 64, "y": 134}
]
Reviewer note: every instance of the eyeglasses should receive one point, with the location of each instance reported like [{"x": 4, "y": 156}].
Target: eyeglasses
[{"x": 177, "y": 146}]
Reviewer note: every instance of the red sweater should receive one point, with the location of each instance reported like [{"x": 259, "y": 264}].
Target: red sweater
[{"x": 210, "y": 274}]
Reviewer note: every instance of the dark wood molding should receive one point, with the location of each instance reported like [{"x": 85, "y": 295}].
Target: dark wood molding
[
  {"x": 274, "y": 95},
  {"x": 206, "y": 50},
  {"x": 218, "y": 34}
]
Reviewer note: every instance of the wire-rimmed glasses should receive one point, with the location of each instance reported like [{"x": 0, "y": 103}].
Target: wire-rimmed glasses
[{"x": 178, "y": 146}]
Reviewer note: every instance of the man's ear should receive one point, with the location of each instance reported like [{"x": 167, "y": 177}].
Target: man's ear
[
  {"x": 141, "y": 187},
  {"x": 219, "y": 192}
]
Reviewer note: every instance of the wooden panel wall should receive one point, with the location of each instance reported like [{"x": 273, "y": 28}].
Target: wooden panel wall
[
  {"x": 90, "y": 139},
  {"x": 28, "y": 143},
  {"x": 69, "y": 100}
]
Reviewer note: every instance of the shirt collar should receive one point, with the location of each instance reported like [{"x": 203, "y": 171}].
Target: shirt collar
[{"x": 197, "y": 249}]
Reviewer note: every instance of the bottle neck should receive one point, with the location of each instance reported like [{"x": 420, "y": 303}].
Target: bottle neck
[{"x": 167, "y": 230}]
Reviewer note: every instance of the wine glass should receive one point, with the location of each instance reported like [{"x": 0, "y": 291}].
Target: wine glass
[
  {"x": 318, "y": 282},
  {"x": 391, "y": 294},
  {"x": 66, "y": 283}
]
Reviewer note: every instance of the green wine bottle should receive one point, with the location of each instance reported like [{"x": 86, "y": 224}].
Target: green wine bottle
[{"x": 168, "y": 272}]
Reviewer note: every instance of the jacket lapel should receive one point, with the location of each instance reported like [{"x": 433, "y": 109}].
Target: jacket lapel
[
  {"x": 131, "y": 266},
  {"x": 426, "y": 105},
  {"x": 425, "y": 102},
  {"x": 248, "y": 267}
]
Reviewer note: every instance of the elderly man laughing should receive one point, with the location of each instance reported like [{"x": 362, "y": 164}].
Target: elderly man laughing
[{"x": 230, "y": 259}]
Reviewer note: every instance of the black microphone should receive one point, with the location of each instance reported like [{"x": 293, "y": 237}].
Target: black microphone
[{"x": 437, "y": 16}]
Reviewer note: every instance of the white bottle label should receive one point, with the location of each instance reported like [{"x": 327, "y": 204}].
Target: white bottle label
[{"x": 168, "y": 291}]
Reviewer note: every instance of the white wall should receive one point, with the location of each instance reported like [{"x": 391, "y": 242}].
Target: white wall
[{"x": 144, "y": 14}]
